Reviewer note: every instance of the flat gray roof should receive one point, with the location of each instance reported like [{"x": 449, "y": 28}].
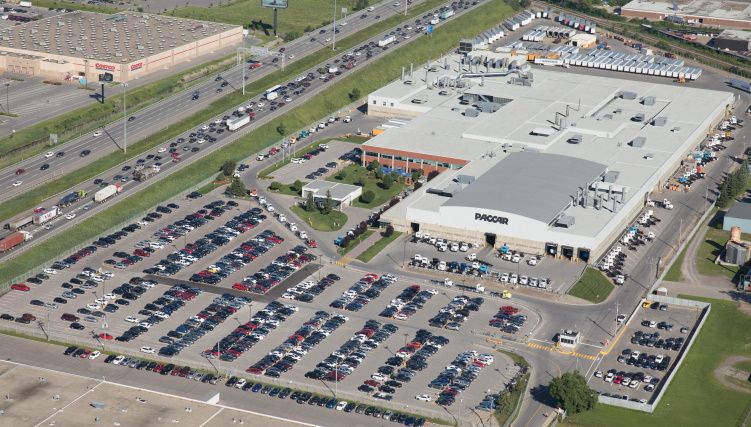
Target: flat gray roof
[
  {"x": 338, "y": 190},
  {"x": 123, "y": 37},
  {"x": 739, "y": 210},
  {"x": 738, "y": 10},
  {"x": 533, "y": 185},
  {"x": 735, "y": 35}
]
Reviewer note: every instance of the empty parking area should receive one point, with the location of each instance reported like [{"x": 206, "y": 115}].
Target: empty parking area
[
  {"x": 644, "y": 352},
  {"x": 303, "y": 171}
]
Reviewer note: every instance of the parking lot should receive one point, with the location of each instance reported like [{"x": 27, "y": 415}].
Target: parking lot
[
  {"x": 561, "y": 274},
  {"x": 302, "y": 171},
  {"x": 644, "y": 352}
]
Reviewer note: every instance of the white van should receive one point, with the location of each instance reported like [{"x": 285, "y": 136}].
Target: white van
[{"x": 371, "y": 8}]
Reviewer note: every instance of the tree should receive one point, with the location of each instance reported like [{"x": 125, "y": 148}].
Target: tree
[
  {"x": 361, "y": 4},
  {"x": 237, "y": 188},
  {"x": 374, "y": 165},
  {"x": 503, "y": 403},
  {"x": 572, "y": 392},
  {"x": 389, "y": 231},
  {"x": 291, "y": 36},
  {"x": 345, "y": 241},
  {"x": 342, "y": 174},
  {"x": 281, "y": 129},
  {"x": 310, "y": 204},
  {"x": 328, "y": 203},
  {"x": 432, "y": 175},
  {"x": 525, "y": 3},
  {"x": 416, "y": 174},
  {"x": 363, "y": 226},
  {"x": 360, "y": 181},
  {"x": 418, "y": 185},
  {"x": 367, "y": 197},
  {"x": 356, "y": 233},
  {"x": 355, "y": 95},
  {"x": 387, "y": 181},
  {"x": 275, "y": 186},
  {"x": 378, "y": 174},
  {"x": 228, "y": 168},
  {"x": 298, "y": 185}
]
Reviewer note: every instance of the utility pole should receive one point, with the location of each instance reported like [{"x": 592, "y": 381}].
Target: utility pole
[
  {"x": 333, "y": 44},
  {"x": 125, "y": 120},
  {"x": 617, "y": 308}
]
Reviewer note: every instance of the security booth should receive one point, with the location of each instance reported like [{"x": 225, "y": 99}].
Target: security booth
[{"x": 569, "y": 338}]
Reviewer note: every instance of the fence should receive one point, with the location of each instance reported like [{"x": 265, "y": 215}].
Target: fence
[{"x": 702, "y": 312}]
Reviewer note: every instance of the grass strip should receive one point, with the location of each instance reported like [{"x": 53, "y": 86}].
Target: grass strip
[
  {"x": 377, "y": 247},
  {"x": 593, "y": 286},
  {"x": 503, "y": 415},
  {"x": 359, "y": 175},
  {"x": 517, "y": 358},
  {"x": 74, "y": 6},
  {"x": 367, "y": 78},
  {"x": 354, "y": 242}
]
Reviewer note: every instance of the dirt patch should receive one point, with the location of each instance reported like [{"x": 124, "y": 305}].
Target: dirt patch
[
  {"x": 726, "y": 371},
  {"x": 743, "y": 298}
]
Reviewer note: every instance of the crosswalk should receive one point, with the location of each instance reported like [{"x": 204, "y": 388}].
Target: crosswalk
[
  {"x": 343, "y": 261},
  {"x": 548, "y": 348}
]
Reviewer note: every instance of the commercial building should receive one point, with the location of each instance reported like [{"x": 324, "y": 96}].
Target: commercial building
[
  {"x": 341, "y": 194},
  {"x": 541, "y": 161},
  {"x": 704, "y": 12},
  {"x": 129, "y": 45},
  {"x": 739, "y": 215},
  {"x": 734, "y": 40}
]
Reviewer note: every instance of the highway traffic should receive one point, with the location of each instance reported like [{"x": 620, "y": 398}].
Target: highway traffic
[
  {"x": 32, "y": 173},
  {"x": 187, "y": 148}
]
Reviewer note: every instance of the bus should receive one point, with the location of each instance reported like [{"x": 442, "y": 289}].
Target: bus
[{"x": 274, "y": 89}]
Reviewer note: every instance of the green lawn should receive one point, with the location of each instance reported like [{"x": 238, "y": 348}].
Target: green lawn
[
  {"x": 714, "y": 241},
  {"x": 300, "y": 15},
  {"x": 355, "y": 242},
  {"x": 288, "y": 190},
  {"x": 378, "y": 246},
  {"x": 674, "y": 273},
  {"x": 383, "y": 195},
  {"x": 318, "y": 221},
  {"x": 73, "y": 6},
  {"x": 593, "y": 286},
  {"x": 516, "y": 357},
  {"x": 695, "y": 397}
]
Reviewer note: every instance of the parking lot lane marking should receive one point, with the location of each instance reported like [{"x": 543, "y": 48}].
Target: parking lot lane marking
[
  {"x": 212, "y": 417},
  {"x": 615, "y": 341},
  {"x": 541, "y": 347}
]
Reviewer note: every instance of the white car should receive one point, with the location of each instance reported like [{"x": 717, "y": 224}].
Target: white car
[
  {"x": 609, "y": 377},
  {"x": 118, "y": 359},
  {"x": 98, "y": 133},
  {"x": 17, "y": 183},
  {"x": 523, "y": 280},
  {"x": 70, "y": 216},
  {"x": 205, "y": 127},
  {"x": 424, "y": 398},
  {"x": 93, "y": 306},
  {"x": 109, "y": 296},
  {"x": 598, "y": 374},
  {"x": 50, "y": 271},
  {"x": 291, "y": 55},
  {"x": 131, "y": 319},
  {"x": 146, "y": 325},
  {"x": 341, "y": 405},
  {"x": 261, "y": 104},
  {"x": 161, "y": 150},
  {"x": 343, "y": 23},
  {"x": 270, "y": 208},
  {"x": 49, "y": 226},
  {"x": 147, "y": 350},
  {"x": 94, "y": 354},
  {"x": 49, "y": 154},
  {"x": 297, "y": 161},
  {"x": 532, "y": 261},
  {"x": 378, "y": 377},
  {"x": 241, "y": 382},
  {"x": 505, "y": 277}
]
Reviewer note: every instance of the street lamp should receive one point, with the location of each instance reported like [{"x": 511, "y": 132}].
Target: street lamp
[
  {"x": 7, "y": 104},
  {"x": 125, "y": 120}
]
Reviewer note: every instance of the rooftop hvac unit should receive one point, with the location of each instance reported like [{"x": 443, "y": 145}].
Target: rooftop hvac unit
[
  {"x": 650, "y": 100},
  {"x": 628, "y": 95},
  {"x": 471, "y": 112},
  {"x": 660, "y": 121},
  {"x": 611, "y": 176},
  {"x": 638, "y": 142},
  {"x": 576, "y": 139},
  {"x": 639, "y": 117}
]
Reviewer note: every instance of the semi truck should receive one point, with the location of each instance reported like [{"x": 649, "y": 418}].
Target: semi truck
[
  {"x": 71, "y": 198},
  {"x": 105, "y": 193},
  {"x": 386, "y": 40},
  {"x": 44, "y": 215},
  {"x": 14, "y": 240},
  {"x": 237, "y": 123},
  {"x": 142, "y": 174}
]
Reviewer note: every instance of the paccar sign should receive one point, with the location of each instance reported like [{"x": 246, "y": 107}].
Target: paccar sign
[
  {"x": 136, "y": 66},
  {"x": 492, "y": 218},
  {"x": 104, "y": 67}
]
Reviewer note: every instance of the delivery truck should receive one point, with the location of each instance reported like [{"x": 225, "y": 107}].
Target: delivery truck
[
  {"x": 44, "y": 215},
  {"x": 14, "y": 240},
  {"x": 142, "y": 174},
  {"x": 447, "y": 14},
  {"x": 71, "y": 198},
  {"x": 105, "y": 193},
  {"x": 386, "y": 41},
  {"x": 237, "y": 123}
]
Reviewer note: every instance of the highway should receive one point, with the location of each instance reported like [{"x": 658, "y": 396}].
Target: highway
[
  {"x": 171, "y": 110},
  {"x": 108, "y": 140}
]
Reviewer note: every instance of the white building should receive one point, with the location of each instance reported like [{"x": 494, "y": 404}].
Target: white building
[{"x": 341, "y": 194}]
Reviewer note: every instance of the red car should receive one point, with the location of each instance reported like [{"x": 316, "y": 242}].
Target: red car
[
  {"x": 106, "y": 336},
  {"x": 240, "y": 287},
  {"x": 174, "y": 154},
  {"x": 21, "y": 287},
  {"x": 175, "y": 160},
  {"x": 85, "y": 354},
  {"x": 20, "y": 171},
  {"x": 312, "y": 243}
]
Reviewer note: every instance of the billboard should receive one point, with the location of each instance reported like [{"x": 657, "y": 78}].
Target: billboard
[{"x": 274, "y": 4}]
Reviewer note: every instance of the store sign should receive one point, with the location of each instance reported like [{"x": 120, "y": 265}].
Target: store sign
[
  {"x": 492, "y": 218},
  {"x": 136, "y": 66},
  {"x": 104, "y": 67}
]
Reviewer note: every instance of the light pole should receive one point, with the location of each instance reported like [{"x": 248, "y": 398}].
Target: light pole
[
  {"x": 125, "y": 120},
  {"x": 333, "y": 44},
  {"x": 7, "y": 103}
]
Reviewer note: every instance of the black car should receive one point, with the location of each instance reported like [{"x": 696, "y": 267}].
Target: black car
[
  {"x": 85, "y": 153},
  {"x": 77, "y": 326}
]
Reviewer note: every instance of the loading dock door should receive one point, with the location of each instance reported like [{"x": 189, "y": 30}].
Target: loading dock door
[
  {"x": 490, "y": 239},
  {"x": 551, "y": 249},
  {"x": 415, "y": 227},
  {"x": 584, "y": 254},
  {"x": 567, "y": 252}
]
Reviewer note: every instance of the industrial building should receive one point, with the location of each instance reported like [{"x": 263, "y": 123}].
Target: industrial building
[
  {"x": 341, "y": 194},
  {"x": 540, "y": 161},
  {"x": 702, "y": 12},
  {"x": 734, "y": 40},
  {"x": 82, "y": 45},
  {"x": 739, "y": 215}
]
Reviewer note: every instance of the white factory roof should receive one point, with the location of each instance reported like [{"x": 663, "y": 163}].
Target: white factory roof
[
  {"x": 712, "y": 9},
  {"x": 596, "y": 111}
]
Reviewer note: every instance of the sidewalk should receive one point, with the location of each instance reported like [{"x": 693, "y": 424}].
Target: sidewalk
[{"x": 364, "y": 245}]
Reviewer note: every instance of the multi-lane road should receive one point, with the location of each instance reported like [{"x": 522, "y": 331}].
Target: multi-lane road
[
  {"x": 155, "y": 117},
  {"x": 148, "y": 121}
]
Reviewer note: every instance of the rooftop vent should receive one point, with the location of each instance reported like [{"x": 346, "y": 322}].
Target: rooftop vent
[
  {"x": 650, "y": 100},
  {"x": 471, "y": 112},
  {"x": 611, "y": 176},
  {"x": 639, "y": 117},
  {"x": 565, "y": 221},
  {"x": 638, "y": 142},
  {"x": 576, "y": 139},
  {"x": 660, "y": 121},
  {"x": 628, "y": 95}
]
